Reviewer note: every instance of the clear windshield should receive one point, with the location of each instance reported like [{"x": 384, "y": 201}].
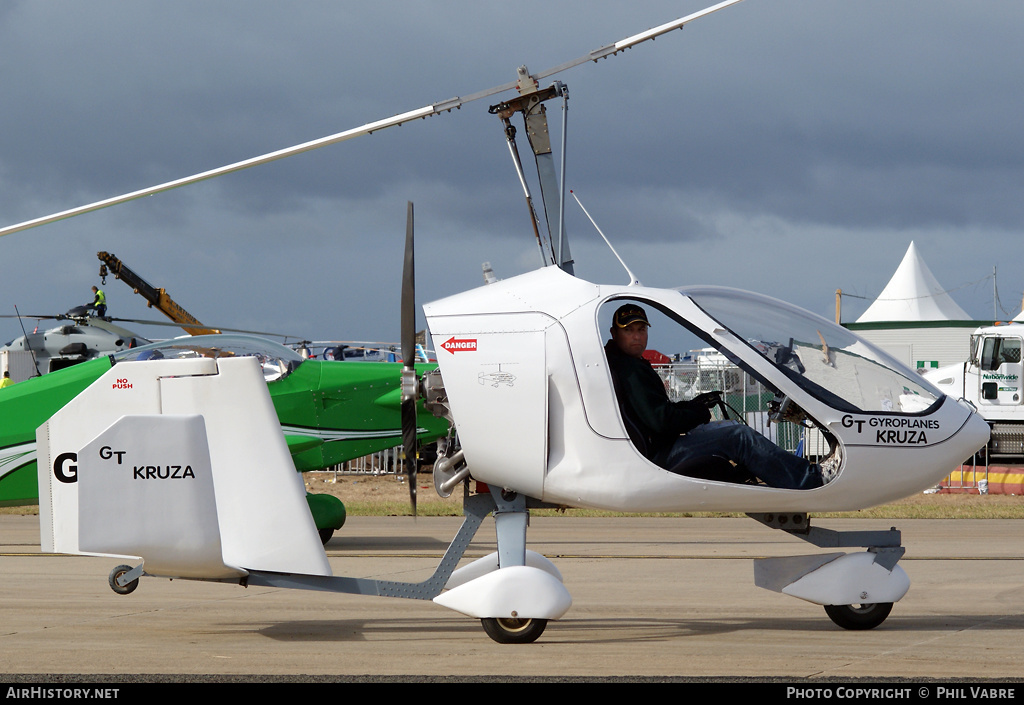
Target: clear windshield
[
  {"x": 827, "y": 360},
  {"x": 276, "y": 360}
]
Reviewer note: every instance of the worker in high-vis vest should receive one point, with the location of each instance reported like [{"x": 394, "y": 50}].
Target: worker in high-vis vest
[{"x": 99, "y": 302}]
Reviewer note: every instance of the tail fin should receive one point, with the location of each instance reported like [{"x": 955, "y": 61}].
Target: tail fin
[{"x": 181, "y": 463}]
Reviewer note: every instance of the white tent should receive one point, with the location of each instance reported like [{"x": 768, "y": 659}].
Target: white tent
[{"x": 913, "y": 294}]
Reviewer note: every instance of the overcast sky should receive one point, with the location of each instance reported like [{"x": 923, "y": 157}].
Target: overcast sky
[{"x": 789, "y": 147}]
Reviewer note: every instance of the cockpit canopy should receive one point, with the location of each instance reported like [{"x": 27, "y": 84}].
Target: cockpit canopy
[
  {"x": 276, "y": 360},
  {"x": 823, "y": 358}
]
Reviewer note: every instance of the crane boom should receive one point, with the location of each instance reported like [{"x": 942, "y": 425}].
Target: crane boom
[{"x": 154, "y": 297}]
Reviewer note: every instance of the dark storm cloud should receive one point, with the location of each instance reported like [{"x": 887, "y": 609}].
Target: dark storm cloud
[{"x": 769, "y": 134}]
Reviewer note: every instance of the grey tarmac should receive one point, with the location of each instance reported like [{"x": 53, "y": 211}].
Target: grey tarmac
[{"x": 652, "y": 598}]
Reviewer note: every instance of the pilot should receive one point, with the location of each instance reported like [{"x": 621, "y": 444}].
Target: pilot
[
  {"x": 99, "y": 302},
  {"x": 671, "y": 433}
]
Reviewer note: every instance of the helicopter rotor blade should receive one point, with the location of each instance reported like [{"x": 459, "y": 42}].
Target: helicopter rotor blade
[
  {"x": 409, "y": 379},
  {"x": 369, "y": 128},
  {"x": 173, "y": 324}
]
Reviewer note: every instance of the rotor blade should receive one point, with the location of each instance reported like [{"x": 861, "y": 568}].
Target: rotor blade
[
  {"x": 236, "y": 166},
  {"x": 368, "y": 128},
  {"x": 174, "y": 324},
  {"x": 374, "y": 344},
  {"x": 630, "y": 42}
]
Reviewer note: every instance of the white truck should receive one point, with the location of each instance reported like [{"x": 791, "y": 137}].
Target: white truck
[{"x": 992, "y": 379}]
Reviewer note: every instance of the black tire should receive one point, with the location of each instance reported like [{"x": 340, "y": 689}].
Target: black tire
[
  {"x": 865, "y": 616},
  {"x": 325, "y": 535},
  {"x": 513, "y": 630},
  {"x": 117, "y": 573}
]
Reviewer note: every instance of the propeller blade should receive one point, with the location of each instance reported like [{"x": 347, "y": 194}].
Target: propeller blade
[
  {"x": 409, "y": 380},
  {"x": 409, "y": 293}
]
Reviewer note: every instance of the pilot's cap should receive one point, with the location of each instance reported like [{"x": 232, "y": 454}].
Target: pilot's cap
[{"x": 629, "y": 313}]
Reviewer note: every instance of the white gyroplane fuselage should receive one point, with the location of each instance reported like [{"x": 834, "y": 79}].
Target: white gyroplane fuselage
[{"x": 545, "y": 332}]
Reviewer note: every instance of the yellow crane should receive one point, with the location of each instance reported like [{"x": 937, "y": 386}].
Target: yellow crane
[{"x": 154, "y": 297}]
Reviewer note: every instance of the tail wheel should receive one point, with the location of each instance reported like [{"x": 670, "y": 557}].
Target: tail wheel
[
  {"x": 121, "y": 589},
  {"x": 513, "y": 630},
  {"x": 864, "y": 616}
]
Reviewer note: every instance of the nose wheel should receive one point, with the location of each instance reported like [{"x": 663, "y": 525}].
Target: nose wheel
[
  {"x": 865, "y": 616},
  {"x": 513, "y": 630}
]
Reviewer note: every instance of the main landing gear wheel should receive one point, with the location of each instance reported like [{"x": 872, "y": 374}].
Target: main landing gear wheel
[
  {"x": 117, "y": 573},
  {"x": 514, "y": 630},
  {"x": 865, "y": 616},
  {"x": 325, "y": 535}
]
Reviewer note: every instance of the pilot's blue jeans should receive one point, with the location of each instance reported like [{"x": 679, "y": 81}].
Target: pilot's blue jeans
[{"x": 742, "y": 444}]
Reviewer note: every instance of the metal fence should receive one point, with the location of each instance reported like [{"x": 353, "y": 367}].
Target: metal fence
[
  {"x": 385, "y": 462},
  {"x": 745, "y": 396},
  {"x": 972, "y": 474}
]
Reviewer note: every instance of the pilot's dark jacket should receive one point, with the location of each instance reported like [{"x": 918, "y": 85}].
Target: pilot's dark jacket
[{"x": 652, "y": 420}]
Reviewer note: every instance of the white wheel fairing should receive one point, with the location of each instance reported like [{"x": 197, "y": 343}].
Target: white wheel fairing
[
  {"x": 520, "y": 592},
  {"x": 854, "y": 578}
]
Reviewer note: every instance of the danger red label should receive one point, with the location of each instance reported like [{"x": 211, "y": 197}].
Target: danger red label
[{"x": 454, "y": 345}]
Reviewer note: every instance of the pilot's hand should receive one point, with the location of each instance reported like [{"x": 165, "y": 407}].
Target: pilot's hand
[{"x": 708, "y": 399}]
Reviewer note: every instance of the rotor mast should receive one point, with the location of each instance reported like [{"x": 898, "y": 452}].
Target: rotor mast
[{"x": 530, "y": 103}]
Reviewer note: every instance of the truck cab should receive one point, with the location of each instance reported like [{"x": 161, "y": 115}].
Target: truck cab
[
  {"x": 999, "y": 367},
  {"x": 991, "y": 379}
]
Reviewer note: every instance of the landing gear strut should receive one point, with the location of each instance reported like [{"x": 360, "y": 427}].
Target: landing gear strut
[{"x": 523, "y": 587}]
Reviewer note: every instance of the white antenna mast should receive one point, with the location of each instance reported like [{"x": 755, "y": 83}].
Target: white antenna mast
[{"x": 633, "y": 281}]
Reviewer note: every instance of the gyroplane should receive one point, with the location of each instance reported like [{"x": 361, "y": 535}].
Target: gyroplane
[{"x": 161, "y": 445}]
